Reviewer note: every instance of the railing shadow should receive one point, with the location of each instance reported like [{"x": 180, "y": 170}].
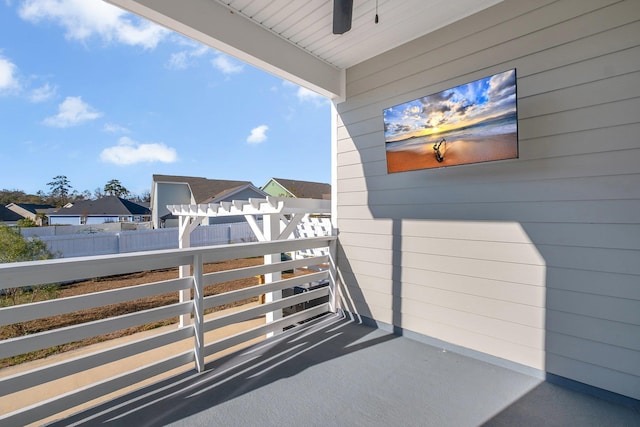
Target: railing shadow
[{"x": 284, "y": 356}]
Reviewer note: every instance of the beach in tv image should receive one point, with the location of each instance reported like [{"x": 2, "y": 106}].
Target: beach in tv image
[{"x": 471, "y": 123}]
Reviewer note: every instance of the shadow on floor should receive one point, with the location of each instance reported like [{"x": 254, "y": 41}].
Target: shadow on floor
[{"x": 334, "y": 372}]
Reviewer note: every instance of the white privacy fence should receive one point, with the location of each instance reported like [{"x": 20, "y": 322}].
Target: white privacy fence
[
  {"x": 74, "y": 245},
  {"x": 65, "y": 230}
]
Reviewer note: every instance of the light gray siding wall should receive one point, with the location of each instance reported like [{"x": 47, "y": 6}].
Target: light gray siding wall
[
  {"x": 534, "y": 260},
  {"x": 169, "y": 194}
]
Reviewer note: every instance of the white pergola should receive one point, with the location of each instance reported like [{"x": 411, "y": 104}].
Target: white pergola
[{"x": 280, "y": 217}]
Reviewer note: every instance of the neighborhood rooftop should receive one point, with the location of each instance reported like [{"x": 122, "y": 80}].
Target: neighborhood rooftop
[
  {"x": 108, "y": 205},
  {"x": 203, "y": 189},
  {"x": 304, "y": 189}
]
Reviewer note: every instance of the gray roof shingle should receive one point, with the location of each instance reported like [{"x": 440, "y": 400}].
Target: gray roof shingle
[
  {"x": 109, "y": 205},
  {"x": 203, "y": 189},
  {"x": 7, "y": 215},
  {"x": 306, "y": 189}
]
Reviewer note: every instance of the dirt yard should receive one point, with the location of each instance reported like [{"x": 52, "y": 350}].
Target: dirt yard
[{"x": 115, "y": 282}]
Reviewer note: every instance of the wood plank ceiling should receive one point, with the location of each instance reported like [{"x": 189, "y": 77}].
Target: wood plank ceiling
[{"x": 308, "y": 23}]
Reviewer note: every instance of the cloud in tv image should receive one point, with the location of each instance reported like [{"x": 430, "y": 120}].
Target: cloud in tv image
[{"x": 471, "y": 123}]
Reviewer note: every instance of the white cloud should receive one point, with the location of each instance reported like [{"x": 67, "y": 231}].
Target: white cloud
[
  {"x": 258, "y": 134},
  {"x": 83, "y": 19},
  {"x": 179, "y": 60},
  {"x": 226, "y": 64},
  {"x": 8, "y": 79},
  {"x": 71, "y": 112},
  {"x": 186, "y": 58},
  {"x": 306, "y": 95},
  {"x": 114, "y": 128},
  {"x": 42, "y": 93},
  {"x": 129, "y": 152}
]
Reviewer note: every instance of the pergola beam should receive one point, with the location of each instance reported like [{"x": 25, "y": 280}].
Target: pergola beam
[{"x": 275, "y": 226}]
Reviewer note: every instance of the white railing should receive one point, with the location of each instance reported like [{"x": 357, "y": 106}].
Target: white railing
[{"x": 64, "y": 270}]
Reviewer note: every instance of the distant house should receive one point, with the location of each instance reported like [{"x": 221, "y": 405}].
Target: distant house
[
  {"x": 35, "y": 212},
  {"x": 175, "y": 190},
  {"x": 8, "y": 217},
  {"x": 279, "y": 187},
  {"x": 100, "y": 211}
]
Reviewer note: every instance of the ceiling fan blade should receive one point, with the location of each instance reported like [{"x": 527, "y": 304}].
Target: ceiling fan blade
[{"x": 342, "y": 12}]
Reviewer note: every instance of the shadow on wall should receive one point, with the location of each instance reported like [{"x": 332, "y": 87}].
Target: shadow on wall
[{"x": 490, "y": 258}]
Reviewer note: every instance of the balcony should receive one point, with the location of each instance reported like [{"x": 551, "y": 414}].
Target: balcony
[{"x": 316, "y": 366}]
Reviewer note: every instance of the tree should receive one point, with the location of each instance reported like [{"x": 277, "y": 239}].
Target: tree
[
  {"x": 18, "y": 196},
  {"x": 15, "y": 248},
  {"x": 115, "y": 188},
  {"x": 97, "y": 193},
  {"x": 60, "y": 190},
  {"x": 26, "y": 223},
  {"x": 146, "y": 196}
]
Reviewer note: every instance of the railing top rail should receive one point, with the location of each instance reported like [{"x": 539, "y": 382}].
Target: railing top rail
[{"x": 68, "y": 269}]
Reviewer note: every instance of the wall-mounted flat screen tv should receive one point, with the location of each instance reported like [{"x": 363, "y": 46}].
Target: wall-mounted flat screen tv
[{"x": 471, "y": 123}]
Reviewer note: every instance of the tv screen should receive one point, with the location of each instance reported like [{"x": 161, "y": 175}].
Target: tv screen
[{"x": 471, "y": 123}]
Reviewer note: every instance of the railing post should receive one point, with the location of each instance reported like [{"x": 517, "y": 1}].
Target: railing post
[
  {"x": 184, "y": 241},
  {"x": 198, "y": 312},
  {"x": 333, "y": 273}
]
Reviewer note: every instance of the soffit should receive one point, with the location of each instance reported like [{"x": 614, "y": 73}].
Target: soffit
[{"x": 293, "y": 39}]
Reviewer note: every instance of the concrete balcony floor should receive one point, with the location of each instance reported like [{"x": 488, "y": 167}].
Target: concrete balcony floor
[{"x": 334, "y": 372}]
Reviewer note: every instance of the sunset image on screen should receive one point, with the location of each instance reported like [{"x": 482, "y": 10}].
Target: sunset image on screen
[{"x": 470, "y": 123}]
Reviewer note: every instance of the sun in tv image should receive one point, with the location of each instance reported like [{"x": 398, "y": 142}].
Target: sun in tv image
[{"x": 471, "y": 123}]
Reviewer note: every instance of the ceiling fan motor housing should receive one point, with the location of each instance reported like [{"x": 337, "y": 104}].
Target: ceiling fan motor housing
[{"x": 342, "y": 13}]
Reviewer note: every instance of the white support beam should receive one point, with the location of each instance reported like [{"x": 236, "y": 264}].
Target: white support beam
[
  {"x": 271, "y": 230},
  {"x": 186, "y": 225},
  {"x": 198, "y": 312},
  {"x": 213, "y": 24},
  {"x": 270, "y": 205},
  {"x": 291, "y": 226},
  {"x": 251, "y": 219}
]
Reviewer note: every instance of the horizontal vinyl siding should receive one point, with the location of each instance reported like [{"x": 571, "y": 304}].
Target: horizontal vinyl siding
[{"x": 537, "y": 259}]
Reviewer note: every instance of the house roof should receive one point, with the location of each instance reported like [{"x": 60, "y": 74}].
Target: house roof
[
  {"x": 305, "y": 189},
  {"x": 109, "y": 205},
  {"x": 32, "y": 207},
  {"x": 294, "y": 39},
  {"x": 7, "y": 215},
  {"x": 204, "y": 189}
]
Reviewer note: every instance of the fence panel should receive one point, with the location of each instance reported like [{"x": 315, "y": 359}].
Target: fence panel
[
  {"x": 82, "y": 245},
  {"x": 217, "y": 234},
  {"x": 148, "y": 240},
  {"x": 313, "y": 227},
  {"x": 240, "y": 232},
  {"x": 167, "y": 238}
]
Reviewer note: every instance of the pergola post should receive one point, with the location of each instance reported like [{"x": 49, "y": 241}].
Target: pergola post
[
  {"x": 186, "y": 225},
  {"x": 271, "y": 231}
]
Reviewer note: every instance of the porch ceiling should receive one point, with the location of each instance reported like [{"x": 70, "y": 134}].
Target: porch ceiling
[{"x": 293, "y": 38}]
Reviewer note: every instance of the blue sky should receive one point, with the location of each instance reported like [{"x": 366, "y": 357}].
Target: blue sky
[
  {"x": 93, "y": 93},
  {"x": 454, "y": 108}
]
